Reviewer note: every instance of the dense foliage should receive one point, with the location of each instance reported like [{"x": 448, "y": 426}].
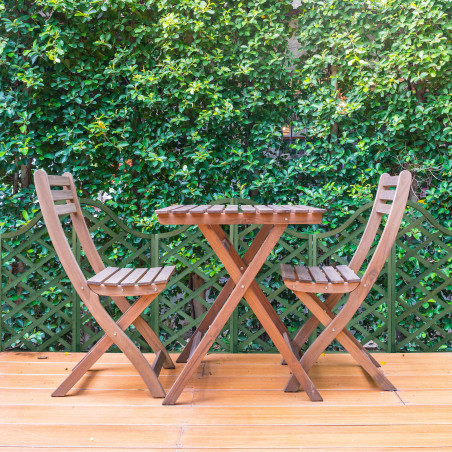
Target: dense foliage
[
  {"x": 177, "y": 101},
  {"x": 155, "y": 102}
]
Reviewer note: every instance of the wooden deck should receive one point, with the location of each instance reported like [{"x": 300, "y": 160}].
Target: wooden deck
[{"x": 234, "y": 402}]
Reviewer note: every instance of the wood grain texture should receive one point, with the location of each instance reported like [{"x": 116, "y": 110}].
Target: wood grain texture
[
  {"x": 181, "y": 217},
  {"x": 107, "y": 413}
]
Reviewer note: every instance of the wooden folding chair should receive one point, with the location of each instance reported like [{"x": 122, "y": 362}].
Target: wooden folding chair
[
  {"x": 305, "y": 282},
  {"x": 111, "y": 281}
]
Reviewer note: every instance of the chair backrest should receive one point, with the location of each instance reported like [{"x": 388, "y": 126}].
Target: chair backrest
[
  {"x": 51, "y": 212},
  {"x": 391, "y": 198}
]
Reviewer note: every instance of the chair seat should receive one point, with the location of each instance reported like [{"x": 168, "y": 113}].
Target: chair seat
[
  {"x": 326, "y": 279},
  {"x": 117, "y": 281}
]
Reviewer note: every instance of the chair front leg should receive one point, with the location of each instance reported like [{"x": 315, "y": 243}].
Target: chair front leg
[
  {"x": 147, "y": 332},
  {"x": 334, "y": 328},
  {"x": 114, "y": 334},
  {"x": 312, "y": 323}
]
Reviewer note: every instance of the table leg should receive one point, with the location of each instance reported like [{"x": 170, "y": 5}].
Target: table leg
[
  {"x": 225, "y": 292},
  {"x": 244, "y": 281},
  {"x": 241, "y": 287},
  {"x": 263, "y": 310},
  {"x": 243, "y": 264}
]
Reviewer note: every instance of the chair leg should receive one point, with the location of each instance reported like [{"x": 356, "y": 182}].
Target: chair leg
[
  {"x": 327, "y": 318},
  {"x": 115, "y": 334},
  {"x": 312, "y": 323},
  {"x": 147, "y": 332}
]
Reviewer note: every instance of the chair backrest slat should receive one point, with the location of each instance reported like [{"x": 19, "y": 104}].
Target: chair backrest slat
[
  {"x": 387, "y": 202},
  {"x": 62, "y": 195},
  {"x": 58, "y": 181},
  {"x": 52, "y": 211},
  {"x": 384, "y": 208},
  {"x": 63, "y": 209},
  {"x": 387, "y": 195},
  {"x": 389, "y": 181}
]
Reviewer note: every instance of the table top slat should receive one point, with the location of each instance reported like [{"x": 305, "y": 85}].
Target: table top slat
[
  {"x": 183, "y": 209},
  {"x": 239, "y": 214},
  {"x": 264, "y": 209},
  {"x": 200, "y": 209},
  {"x": 280, "y": 209},
  {"x": 215, "y": 210},
  {"x": 246, "y": 209},
  {"x": 166, "y": 210},
  {"x": 232, "y": 209}
]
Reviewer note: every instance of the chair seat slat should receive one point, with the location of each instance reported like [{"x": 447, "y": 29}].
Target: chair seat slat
[
  {"x": 303, "y": 274},
  {"x": 116, "y": 278},
  {"x": 317, "y": 275},
  {"x": 63, "y": 209},
  {"x": 287, "y": 272},
  {"x": 132, "y": 279},
  {"x": 332, "y": 274},
  {"x": 100, "y": 277},
  {"x": 149, "y": 276},
  {"x": 348, "y": 274},
  {"x": 164, "y": 275},
  {"x": 58, "y": 195}
]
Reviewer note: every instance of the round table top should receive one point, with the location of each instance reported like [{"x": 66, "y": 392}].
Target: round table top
[{"x": 243, "y": 214}]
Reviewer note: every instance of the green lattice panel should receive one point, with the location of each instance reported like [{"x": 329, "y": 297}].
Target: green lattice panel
[
  {"x": 36, "y": 295},
  {"x": 423, "y": 284},
  {"x": 410, "y": 307}
]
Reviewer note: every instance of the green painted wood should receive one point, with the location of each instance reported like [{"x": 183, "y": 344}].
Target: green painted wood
[{"x": 409, "y": 308}]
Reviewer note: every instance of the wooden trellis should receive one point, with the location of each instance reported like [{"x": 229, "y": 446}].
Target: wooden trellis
[{"x": 409, "y": 309}]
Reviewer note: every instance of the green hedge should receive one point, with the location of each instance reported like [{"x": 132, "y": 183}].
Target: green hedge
[{"x": 184, "y": 100}]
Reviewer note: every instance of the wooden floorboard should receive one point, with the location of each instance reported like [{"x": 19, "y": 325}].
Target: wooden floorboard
[{"x": 232, "y": 403}]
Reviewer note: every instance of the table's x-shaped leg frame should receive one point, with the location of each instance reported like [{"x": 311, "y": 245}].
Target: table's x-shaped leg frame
[
  {"x": 210, "y": 315},
  {"x": 243, "y": 277}
]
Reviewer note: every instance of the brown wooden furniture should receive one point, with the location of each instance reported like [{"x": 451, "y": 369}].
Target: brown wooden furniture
[
  {"x": 242, "y": 282},
  {"x": 391, "y": 199},
  {"x": 111, "y": 281}
]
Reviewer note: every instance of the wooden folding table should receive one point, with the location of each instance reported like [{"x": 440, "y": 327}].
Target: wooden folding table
[{"x": 242, "y": 283}]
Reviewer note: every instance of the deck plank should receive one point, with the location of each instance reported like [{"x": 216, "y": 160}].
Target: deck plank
[{"x": 232, "y": 403}]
